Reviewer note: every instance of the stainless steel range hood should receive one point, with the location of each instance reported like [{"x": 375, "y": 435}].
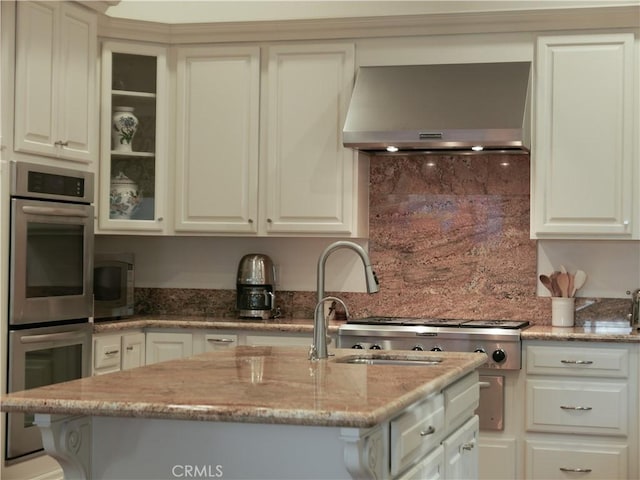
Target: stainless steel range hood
[{"x": 435, "y": 108}]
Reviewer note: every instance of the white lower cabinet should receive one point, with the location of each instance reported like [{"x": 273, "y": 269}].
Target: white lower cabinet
[
  {"x": 559, "y": 460},
  {"x": 461, "y": 452},
  {"x": 133, "y": 350},
  {"x": 280, "y": 340},
  {"x": 164, "y": 346},
  {"x": 580, "y": 415},
  {"x": 437, "y": 438},
  {"x": 118, "y": 351}
]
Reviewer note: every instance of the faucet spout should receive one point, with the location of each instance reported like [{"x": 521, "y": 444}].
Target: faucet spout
[
  {"x": 370, "y": 275},
  {"x": 319, "y": 347}
]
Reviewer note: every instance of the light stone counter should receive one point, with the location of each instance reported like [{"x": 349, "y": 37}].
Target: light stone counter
[
  {"x": 288, "y": 325},
  {"x": 275, "y": 385},
  {"x": 589, "y": 332}
]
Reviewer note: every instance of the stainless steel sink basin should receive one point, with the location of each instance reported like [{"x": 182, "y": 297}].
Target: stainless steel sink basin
[{"x": 389, "y": 360}]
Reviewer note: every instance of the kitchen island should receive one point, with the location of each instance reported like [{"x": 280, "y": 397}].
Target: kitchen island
[{"x": 260, "y": 412}]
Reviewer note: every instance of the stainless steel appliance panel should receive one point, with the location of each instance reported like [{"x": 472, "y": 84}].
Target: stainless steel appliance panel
[
  {"x": 38, "y": 357},
  {"x": 51, "y": 268},
  {"x": 491, "y": 408}
]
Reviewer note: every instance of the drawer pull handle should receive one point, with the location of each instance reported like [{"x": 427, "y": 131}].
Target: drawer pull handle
[
  {"x": 220, "y": 340},
  {"x": 576, "y": 470},
  {"x": 468, "y": 446},
  {"x": 429, "y": 431},
  {"x": 568, "y": 407},
  {"x": 129, "y": 348},
  {"x": 484, "y": 384},
  {"x": 577, "y": 362},
  {"x": 112, "y": 352}
]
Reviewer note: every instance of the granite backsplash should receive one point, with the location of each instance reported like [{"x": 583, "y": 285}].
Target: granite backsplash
[{"x": 448, "y": 237}]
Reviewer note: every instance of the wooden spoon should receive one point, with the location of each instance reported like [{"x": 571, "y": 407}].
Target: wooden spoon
[
  {"x": 554, "y": 284},
  {"x": 578, "y": 281},
  {"x": 563, "y": 284},
  {"x": 546, "y": 281}
]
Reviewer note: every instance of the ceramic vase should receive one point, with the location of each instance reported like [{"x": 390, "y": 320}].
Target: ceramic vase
[
  {"x": 124, "y": 127},
  {"x": 125, "y": 197}
]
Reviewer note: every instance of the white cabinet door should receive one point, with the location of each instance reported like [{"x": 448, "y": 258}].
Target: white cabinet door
[
  {"x": 163, "y": 346},
  {"x": 308, "y": 186},
  {"x": 582, "y": 157},
  {"x": 134, "y": 75},
  {"x": 430, "y": 468},
  {"x": 133, "y": 350},
  {"x": 217, "y": 139},
  {"x": 461, "y": 452},
  {"x": 56, "y": 103},
  {"x": 107, "y": 354}
]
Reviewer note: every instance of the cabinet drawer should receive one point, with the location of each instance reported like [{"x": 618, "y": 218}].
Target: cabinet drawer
[
  {"x": 577, "y": 361},
  {"x": 107, "y": 352},
  {"x": 416, "y": 432},
  {"x": 551, "y": 460},
  {"x": 461, "y": 399},
  {"x": 576, "y": 407}
]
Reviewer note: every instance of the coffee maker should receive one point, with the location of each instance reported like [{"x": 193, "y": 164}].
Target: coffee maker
[{"x": 255, "y": 286}]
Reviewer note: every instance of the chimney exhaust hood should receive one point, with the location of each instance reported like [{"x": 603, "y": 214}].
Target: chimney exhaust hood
[{"x": 464, "y": 108}]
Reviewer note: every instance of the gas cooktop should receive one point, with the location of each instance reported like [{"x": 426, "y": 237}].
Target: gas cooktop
[{"x": 439, "y": 322}]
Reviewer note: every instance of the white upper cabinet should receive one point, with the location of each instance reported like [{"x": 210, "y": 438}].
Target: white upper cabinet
[
  {"x": 582, "y": 157},
  {"x": 259, "y": 147},
  {"x": 217, "y": 139},
  {"x": 55, "y": 89},
  {"x": 308, "y": 175},
  {"x": 133, "y": 170}
]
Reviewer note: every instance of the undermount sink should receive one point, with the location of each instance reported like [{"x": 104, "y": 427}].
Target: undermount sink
[{"x": 389, "y": 360}]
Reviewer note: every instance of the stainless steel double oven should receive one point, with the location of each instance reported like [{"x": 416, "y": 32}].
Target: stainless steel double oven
[{"x": 50, "y": 287}]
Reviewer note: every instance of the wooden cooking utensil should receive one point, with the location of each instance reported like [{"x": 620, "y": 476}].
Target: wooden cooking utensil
[
  {"x": 563, "y": 284},
  {"x": 546, "y": 281}
]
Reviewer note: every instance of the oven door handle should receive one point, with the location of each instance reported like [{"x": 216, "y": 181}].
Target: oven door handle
[
  {"x": 54, "y": 211},
  {"x": 51, "y": 337}
]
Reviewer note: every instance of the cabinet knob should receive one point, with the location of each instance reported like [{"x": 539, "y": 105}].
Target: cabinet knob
[
  {"x": 60, "y": 143},
  {"x": 129, "y": 347},
  {"x": 160, "y": 219},
  {"x": 429, "y": 431},
  {"x": 250, "y": 220},
  {"x": 269, "y": 220},
  {"x": 468, "y": 446},
  {"x": 626, "y": 223}
]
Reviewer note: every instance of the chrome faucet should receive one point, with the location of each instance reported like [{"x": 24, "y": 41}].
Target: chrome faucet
[{"x": 319, "y": 347}]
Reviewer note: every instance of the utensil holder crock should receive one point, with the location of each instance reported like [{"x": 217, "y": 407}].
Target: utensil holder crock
[{"x": 562, "y": 311}]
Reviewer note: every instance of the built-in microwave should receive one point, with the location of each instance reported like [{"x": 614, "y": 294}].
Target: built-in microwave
[{"x": 113, "y": 285}]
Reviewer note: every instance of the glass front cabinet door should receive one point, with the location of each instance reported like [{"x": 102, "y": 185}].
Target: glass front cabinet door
[{"x": 133, "y": 163}]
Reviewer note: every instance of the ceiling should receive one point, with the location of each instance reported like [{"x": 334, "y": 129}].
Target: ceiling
[{"x": 214, "y": 11}]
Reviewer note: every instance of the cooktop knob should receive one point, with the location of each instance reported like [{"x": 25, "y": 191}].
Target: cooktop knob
[
  {"x": 375, "y": 347},
  {"x": 499, "y": 356},
  {"x": 436, "y": 349},
  {"x": 357, "y": 346},
  {"x": 418, "y": 348},
  {"x": 479, "y": 350}
]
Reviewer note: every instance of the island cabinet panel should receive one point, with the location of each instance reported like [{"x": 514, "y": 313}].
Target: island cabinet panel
[
  {"x": 55, "y": 98},
  {"x": 584, "y": 134},
  {"x": 580, "y": 414}
]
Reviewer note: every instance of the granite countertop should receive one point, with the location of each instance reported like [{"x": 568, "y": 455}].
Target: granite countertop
[
  {"x": 253, "y": 384},
  {"x": 290, "y": 325},
  {"x": 617, "y": 332},
  {"x": 589, "y": 331}
]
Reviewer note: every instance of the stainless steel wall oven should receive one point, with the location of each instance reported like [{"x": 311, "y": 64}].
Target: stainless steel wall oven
[{"x": 50, "y": 287}]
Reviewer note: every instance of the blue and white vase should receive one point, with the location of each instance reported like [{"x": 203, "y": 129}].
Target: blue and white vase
[
  {"x": 124, "y": 198},
  {"x": 124, "y": 127}
]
